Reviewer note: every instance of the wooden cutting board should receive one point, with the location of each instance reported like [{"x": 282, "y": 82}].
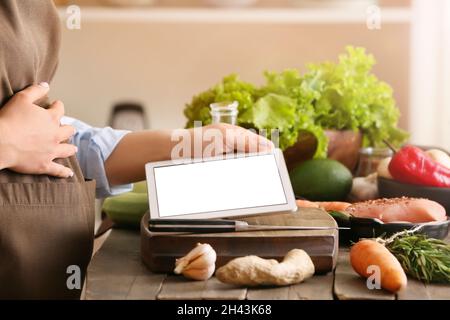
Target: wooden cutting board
[{"x": 159, "y": 250}]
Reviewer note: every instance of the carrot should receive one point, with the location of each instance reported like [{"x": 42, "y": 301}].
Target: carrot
[
  {"x": 367, "y": 253},
  {"x": 334, "y": 206},
  {"x": 307, "y": 204},
  {"x": 327, "y": 206}
]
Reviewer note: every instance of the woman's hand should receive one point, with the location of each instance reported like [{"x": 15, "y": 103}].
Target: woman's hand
[
  {"x": 126, "y": 163},
  {"x": 222, "y": 138},
  {"x": 31, "y": 137}
]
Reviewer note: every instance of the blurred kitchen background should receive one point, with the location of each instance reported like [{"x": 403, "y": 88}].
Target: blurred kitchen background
[{"x": 160, "y": 55}]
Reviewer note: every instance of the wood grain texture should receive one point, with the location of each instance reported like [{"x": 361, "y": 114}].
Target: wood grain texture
[
  {"x": 438, "y": 291},
  {"x": 348, "y": 285},
  {"x": 146, "y": 287},
  {"x": 316, "y": 288},
  {"x": 218, "y": 290},
  {"x": 268, "y": 293},
  {"x": 116, "y": 271},
  {"x": 180, "y": 288},
  {"x": 161, "y": 249},
  {"x": 415, "y": 290}
]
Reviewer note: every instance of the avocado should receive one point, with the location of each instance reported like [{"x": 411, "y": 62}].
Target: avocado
[{"x": 321, "y": 180}]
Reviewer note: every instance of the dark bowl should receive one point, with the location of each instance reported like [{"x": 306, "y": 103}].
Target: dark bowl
[
  {"x": 389, "y": 188},
  {"x": 372, "y": 228}
]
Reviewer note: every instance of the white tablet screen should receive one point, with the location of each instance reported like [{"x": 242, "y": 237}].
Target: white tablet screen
[{"x": 218, "y": 185}]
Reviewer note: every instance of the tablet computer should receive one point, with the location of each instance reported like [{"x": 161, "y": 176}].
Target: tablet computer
[{"x": 219, "y": 187}]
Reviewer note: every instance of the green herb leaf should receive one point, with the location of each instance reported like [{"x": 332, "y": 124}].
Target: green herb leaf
[{"x": 423, "y": 258}]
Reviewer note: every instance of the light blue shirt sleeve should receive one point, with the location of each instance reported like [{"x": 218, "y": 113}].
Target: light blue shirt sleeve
[{"x": 95, "y": 145}]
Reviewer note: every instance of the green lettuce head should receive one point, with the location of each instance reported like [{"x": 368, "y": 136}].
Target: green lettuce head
[{"x": 329, "y": 96}]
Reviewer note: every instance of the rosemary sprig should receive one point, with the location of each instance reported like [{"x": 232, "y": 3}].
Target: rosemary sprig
[{"x": 421, "y": 257}]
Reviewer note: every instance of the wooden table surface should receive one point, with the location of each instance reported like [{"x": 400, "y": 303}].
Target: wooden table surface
[{"x": 116, "y": 272}]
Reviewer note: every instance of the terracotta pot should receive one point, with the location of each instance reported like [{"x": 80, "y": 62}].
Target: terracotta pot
[{"x": 343, "y": 146}]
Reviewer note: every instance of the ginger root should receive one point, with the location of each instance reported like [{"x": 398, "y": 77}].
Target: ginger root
[
  {"x": 198, "y": 264},
  {"x": 252, "y": 270}
]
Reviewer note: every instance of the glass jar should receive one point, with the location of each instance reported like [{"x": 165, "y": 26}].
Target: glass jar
[
  {"x": 224, "y": 112},
  {"x": 369, "y": 159}
]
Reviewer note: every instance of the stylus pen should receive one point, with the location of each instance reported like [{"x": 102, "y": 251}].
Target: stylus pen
[{"x": 214, "y": 226}]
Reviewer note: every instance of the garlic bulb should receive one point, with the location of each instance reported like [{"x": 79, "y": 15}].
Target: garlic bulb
[
  {"x": 198, "y": 264},
  {"x": 383, "y": 168},
  {"x": 440, "y": 157},
  {"x": 364, "y": 188}
]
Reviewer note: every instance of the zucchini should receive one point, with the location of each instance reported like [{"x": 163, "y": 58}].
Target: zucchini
[
  {"x": 127, "y": 209},
  {"x": 342, "y": 219}
]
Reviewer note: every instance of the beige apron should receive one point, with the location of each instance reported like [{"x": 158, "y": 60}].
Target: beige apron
[{"x": 46, "y": 234}]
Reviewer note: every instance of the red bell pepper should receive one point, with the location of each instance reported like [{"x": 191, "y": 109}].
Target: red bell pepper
[{"x": 412, "y": 165}]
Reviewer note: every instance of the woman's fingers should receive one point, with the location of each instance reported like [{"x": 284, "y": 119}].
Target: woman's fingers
[
  {"x": 57, "y": 110},
  {"x": 35, "y": 92},
  {"x": 65, "y": 150},
  {"x": 265, "y": 144},
  {"x": 58, "y": 170},
  {"x": 240, "y": 139},
  {"x": 44, "y": 143},
  {"x": 65, "y": 132}
]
